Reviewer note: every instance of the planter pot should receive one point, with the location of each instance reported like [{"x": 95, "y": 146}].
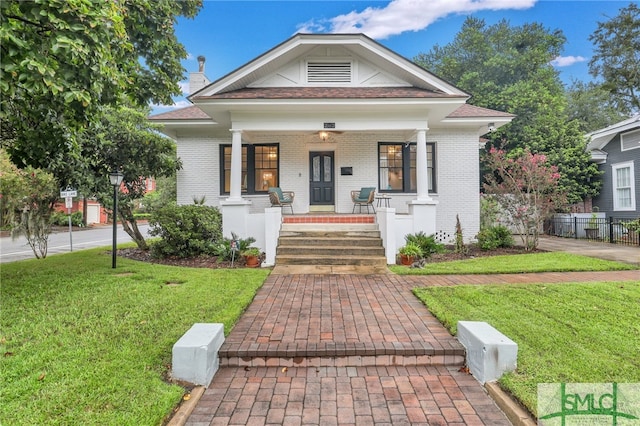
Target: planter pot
[
  {"x": 252, "y": 261},
  {"x": 406, "y": 260},
  {"x": 592, "y": 233}
]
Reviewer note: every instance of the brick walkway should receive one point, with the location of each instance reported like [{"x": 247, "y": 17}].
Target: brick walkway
[{"x": 351, "y": 349}]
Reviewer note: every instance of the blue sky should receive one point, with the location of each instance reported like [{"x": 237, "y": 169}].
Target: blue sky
[{"x": 230, "y": 33}]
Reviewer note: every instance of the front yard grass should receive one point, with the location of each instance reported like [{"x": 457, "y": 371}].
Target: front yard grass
[
  {"x": 577, "y": 332},
  {"x": 514, "y": 264},
  {"x": 84, "y": 344}
]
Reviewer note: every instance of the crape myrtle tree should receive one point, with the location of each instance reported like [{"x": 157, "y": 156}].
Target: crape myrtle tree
[
  {"x": 508, "y": 69},
  {"x": 616, "y": 58},
  {"x": 526, "y": 187},
  {"x": 61, "y": 60},
  {"x": 121, "y": 138},
  {"x": 26, "y": 198}
]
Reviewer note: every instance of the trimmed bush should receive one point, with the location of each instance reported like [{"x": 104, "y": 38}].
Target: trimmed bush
[
  {"x": 185, "y": 231},
  {"x": 495, "y": 237},
  {"x": 62, "y": 219}
]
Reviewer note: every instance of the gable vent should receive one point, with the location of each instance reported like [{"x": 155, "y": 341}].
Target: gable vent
[
  {"x": 329, "y": 72},
  {"x": 630, "y": 140}
]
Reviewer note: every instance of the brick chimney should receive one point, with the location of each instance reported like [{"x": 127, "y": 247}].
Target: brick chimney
[{"x": 197, "y": 80}]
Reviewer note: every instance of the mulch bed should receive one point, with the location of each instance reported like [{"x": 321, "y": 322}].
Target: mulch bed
[{"x": 213, "y": 262}]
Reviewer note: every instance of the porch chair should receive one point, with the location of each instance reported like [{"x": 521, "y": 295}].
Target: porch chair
[
  {"x": 364, "y": 197},
  {"x": 281, "y": 198}
]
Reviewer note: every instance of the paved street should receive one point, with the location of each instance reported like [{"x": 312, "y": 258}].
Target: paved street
[{"x": 60, "y": 242}]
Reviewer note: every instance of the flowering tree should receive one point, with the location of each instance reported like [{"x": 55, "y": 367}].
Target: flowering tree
[
  {"x": 526, "y": 188},
  {"x": 27, "y": 197}
]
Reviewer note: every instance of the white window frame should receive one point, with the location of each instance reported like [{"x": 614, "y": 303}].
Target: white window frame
[
  {"x": 632, "y": 188},
  {"x": 633, "y": 140}
]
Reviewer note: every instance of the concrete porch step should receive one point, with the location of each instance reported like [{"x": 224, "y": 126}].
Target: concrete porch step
[
  {"x": 310, "y": 239},
  {"x": 331, "y": 250}
]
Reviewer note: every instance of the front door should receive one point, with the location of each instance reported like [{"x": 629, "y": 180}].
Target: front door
[{"x": 321, "y": 178}]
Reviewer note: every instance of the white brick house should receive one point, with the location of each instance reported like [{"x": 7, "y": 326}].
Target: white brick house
[{"x": 324, "y": 114}]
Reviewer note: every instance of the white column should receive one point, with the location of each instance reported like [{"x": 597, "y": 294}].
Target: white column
[
  {"x": 422, "y": 173},
  {"x": 235, "y": 193}
]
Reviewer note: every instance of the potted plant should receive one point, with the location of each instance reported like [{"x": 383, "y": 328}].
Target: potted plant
[
  {"x": 409, "y": 252},
  {"x": 591, "y": 230},
  {"x": 252, "y": 256}
]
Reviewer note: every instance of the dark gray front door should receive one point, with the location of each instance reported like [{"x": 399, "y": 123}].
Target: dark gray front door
[{"x": 321, "y": 178}]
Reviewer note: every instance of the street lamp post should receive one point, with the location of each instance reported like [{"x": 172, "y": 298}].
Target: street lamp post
[{"x": 115, "y": 178}]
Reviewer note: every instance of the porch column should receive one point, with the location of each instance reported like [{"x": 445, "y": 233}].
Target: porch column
[
  {"x": 235, "y": 193},
  {"x": 422, "y": 173}
]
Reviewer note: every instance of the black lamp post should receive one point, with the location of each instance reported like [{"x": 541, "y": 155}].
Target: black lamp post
[{"x": 115, "y": 178}]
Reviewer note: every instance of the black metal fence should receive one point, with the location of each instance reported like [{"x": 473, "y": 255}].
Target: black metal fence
[{"x": 605, "y": 229}]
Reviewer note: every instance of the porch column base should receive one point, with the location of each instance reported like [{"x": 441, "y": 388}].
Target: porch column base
[
  {"x": 235, "y": 214},
  {"x": 424, "y": 215},
  {"x": 386, "y": 218}
]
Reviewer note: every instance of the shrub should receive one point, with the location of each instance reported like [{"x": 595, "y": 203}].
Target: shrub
[
  {"x": 185, "y": 231},
  {"x": 427, "y": 243},
  {"x": 223, "y": 248},
  {"x": 411, "y": 249},
  {"x": 62, "y": 219},
  {"x": 495, "y": 237}
]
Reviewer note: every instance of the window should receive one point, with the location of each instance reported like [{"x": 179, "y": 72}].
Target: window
[
  {"x": 624, "y": 198},
  {"x": 260, "y": 168},
  {"x": 397, "y": 167},
  {"x": 630, "y": 140}
]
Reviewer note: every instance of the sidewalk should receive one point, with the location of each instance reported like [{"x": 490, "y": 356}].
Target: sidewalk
[{"x": 323, "y": 349}]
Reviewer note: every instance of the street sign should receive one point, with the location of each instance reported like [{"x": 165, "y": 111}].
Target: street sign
[
  {"x": 68, "y": 193},
  {"x": 68, "y": 202}
]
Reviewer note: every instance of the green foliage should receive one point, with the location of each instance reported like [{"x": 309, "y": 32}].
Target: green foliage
[
  {"x": 224, "y": 251},
  {"x": 186, "y": 231},
  {"x": 411, "y": 249},
  {"x": 62, "y": 219},
  {"x": 427, "y": 243},
  {"x": 63, "y": 60},
  {"x": 493, "y": 237},
  {"x": 125, "y": 140},
  {"x": 592, "y": 106},
  {"x": 617, "y": 55},
  {"x": 251, "y": 251},
  {"x": 27, "y": 197},
  {"x": 508, "y": 69}
]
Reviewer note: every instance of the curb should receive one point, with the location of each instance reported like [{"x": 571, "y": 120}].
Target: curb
[
  {"x": 184, "y": 410},
  {"x": 512, "y": 409}
]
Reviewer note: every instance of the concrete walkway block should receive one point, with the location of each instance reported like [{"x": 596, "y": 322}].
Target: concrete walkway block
[
  {"x": 195, "y": 354},
  {"x": 490, "y": 353}
]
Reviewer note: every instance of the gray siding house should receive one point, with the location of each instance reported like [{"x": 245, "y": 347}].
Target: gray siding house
[{"x": 616, "y": 150}]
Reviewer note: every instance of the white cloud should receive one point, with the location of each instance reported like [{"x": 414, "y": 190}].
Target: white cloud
[
  {"x": 565, "y": 61},
  {"x": 406, "y": 15}
]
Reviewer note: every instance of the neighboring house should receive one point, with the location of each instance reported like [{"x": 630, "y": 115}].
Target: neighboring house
[
  {"x": 324, "y": 114},
  {"x": 616, "y": 150}
]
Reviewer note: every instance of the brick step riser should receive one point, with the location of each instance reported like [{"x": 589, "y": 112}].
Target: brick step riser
[
  {"x": 449, "y": 360},
  {"x": 329, "y": 242},
  {"x": 331, "y": 235},
  {"x": 331, "y": 261},
  {"x": 330, "y": 251}
]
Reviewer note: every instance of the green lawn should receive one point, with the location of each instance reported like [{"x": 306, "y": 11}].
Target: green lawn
[
  {"x": 578, "y": 332},
  {"x": 85, "y": 344},
  {"x": 513, "y": 264}
]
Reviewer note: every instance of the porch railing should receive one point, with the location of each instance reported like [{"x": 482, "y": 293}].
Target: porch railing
[{"x": 607, "y": 229}]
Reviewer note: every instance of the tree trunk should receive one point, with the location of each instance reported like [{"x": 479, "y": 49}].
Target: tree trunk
[{"x": 130, "y": 226}]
